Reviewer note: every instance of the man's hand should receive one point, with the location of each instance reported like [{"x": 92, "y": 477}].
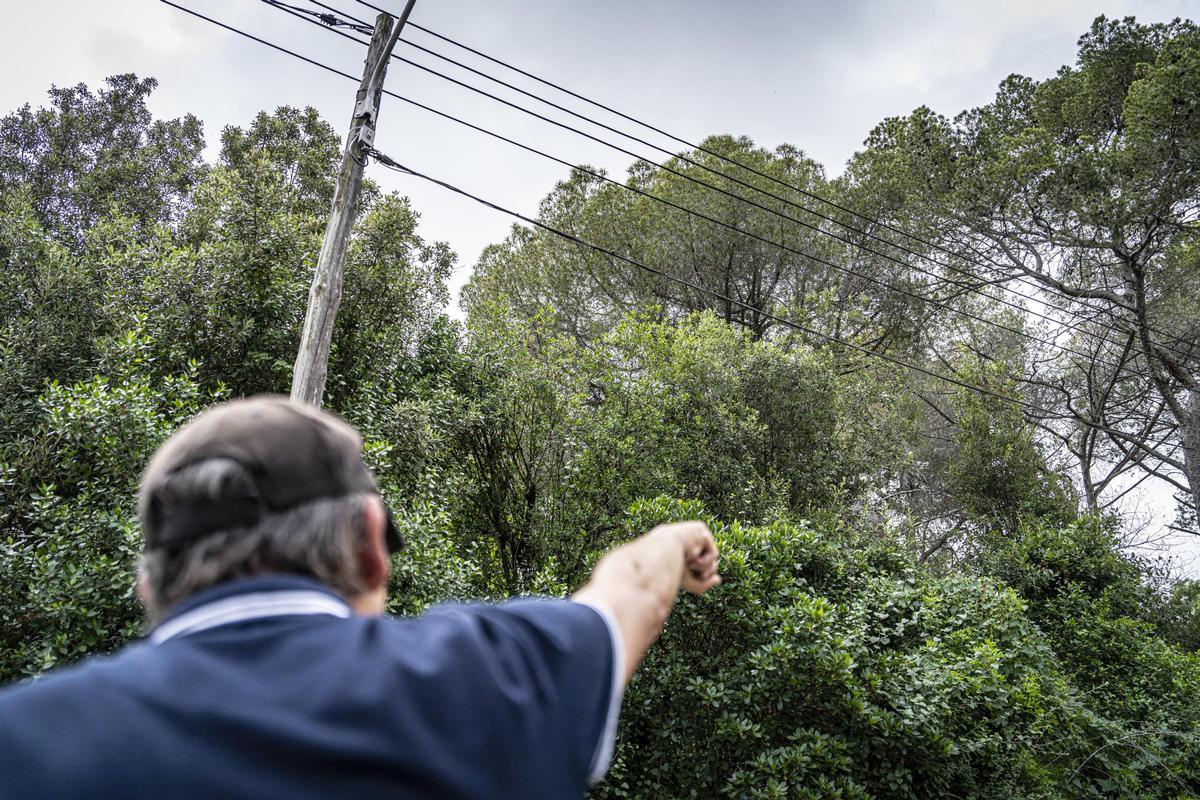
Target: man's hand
[
  {"x": 700, "y": 555},
  {"x": 638, "y": 581}
]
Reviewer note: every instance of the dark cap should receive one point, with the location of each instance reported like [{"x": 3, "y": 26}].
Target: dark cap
[{"x": 294, "y": 454}]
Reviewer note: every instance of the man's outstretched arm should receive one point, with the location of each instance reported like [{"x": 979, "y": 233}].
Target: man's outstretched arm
[{"x": 638, "y": 581}]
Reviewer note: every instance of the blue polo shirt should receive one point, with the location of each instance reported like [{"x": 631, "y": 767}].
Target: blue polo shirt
[{"x": 271, "y": 687}]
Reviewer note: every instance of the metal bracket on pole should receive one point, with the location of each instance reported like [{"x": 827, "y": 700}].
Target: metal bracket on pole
[{"x": 366, "y": 137}]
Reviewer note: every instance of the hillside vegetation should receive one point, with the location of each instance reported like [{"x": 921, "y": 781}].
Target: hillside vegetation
[{"x": 928, "y": 591}]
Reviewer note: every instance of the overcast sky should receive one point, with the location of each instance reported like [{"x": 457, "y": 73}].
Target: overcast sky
[{"x": 818, "y": 75}]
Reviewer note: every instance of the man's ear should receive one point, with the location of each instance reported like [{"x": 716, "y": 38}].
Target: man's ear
[
  {"x": 373, "y": 553},
  {"x": 143, "y": 590}
]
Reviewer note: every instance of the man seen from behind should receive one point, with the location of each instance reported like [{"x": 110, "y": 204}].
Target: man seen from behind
[{"x": 270, "y": 671}]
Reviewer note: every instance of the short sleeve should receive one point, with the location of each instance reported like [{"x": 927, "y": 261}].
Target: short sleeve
[
  {"x": 551, "y": 672},
  {"x": 608, "y": 737}
]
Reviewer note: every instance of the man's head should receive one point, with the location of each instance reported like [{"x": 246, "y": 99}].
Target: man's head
[{"x": 262, "y": 486}]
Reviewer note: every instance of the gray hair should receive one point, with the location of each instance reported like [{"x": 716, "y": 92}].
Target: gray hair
[{"x": 320, "y": 539}]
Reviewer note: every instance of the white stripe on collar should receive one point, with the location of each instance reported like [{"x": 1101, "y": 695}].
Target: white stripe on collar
[{"x": 243, "y": 607}]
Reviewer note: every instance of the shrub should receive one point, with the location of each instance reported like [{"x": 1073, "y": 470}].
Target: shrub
[
  {"x": 70, "y": 551},
  {"x": 829, "y": 668}
]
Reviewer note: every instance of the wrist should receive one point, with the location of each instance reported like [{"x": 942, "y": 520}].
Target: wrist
[{"x": 671, "y": 534}]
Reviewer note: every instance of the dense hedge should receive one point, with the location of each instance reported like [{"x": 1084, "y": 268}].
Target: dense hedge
[{"x": 829, "y": 667}]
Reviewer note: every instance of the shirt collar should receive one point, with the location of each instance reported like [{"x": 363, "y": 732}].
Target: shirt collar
[{"x": 249, "y": 599}]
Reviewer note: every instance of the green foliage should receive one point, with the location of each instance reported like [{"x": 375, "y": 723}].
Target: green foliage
[
  {"x": 780, "y": 267},
  {"x": 138, "y": 285},
  {"x": 431, "y": 569},
  {"x": 1100, "y": 614},
  {"x": 998, "y": 473},
  {"x": 48, "y": 306},
  {"x": 90, "y": 153},
  {"x": 828, "y": 667},
  {"x": 560, "y": 439},
  {"x": 70, "y": 547},
  {"x": 393, "y": 299},
  {"x": 1179, "y": 616},
  {"x": 295, "y": 150},
  {"x": 1044, "y": 561}
]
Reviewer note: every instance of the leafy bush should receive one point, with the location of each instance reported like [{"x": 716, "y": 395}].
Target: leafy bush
[
  {"x": 826, "y": 667},
  {"x": 70, "y": 550},
  {"x": 1107, "y": 628}
]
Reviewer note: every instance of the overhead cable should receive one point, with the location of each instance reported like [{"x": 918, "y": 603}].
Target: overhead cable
[
  {"x": 1045, "y": 414},
  {"x": 1024, "y": 280},
  {"x": 817, "y": 259}
]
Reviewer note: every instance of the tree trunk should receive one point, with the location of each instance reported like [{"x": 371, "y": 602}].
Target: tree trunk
[{"x": 1189, "y": 430}]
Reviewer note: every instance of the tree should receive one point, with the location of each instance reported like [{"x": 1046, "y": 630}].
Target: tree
[
  {"x": 396, "y": 289},
  {"x": 49, "y": 312},
  {"x": 998, "y": 473},
  {"x": 757, "y": 253},
  {"x": 71, "y": 536},
  {"x": 1087, "y": 185},
  {"x": 88, "y": 154}
]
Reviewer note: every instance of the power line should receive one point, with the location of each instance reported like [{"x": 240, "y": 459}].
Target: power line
[
  {"x": 328, "y": 20},
  {"x": 991, "y": 264},
  {"x": 570, "y": 237},
  {"x": 383, "y": 159},
  {"x": 1081, "y": 319},
  {"x": 252, "y": 37},
  {"x": 1046, "y": 414},
  {"x": 660, "y": 131},
  {"x": 817, "y": 259}
]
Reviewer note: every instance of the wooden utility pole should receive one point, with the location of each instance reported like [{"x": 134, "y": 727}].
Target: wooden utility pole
[{"x": 312, "y": 360}]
